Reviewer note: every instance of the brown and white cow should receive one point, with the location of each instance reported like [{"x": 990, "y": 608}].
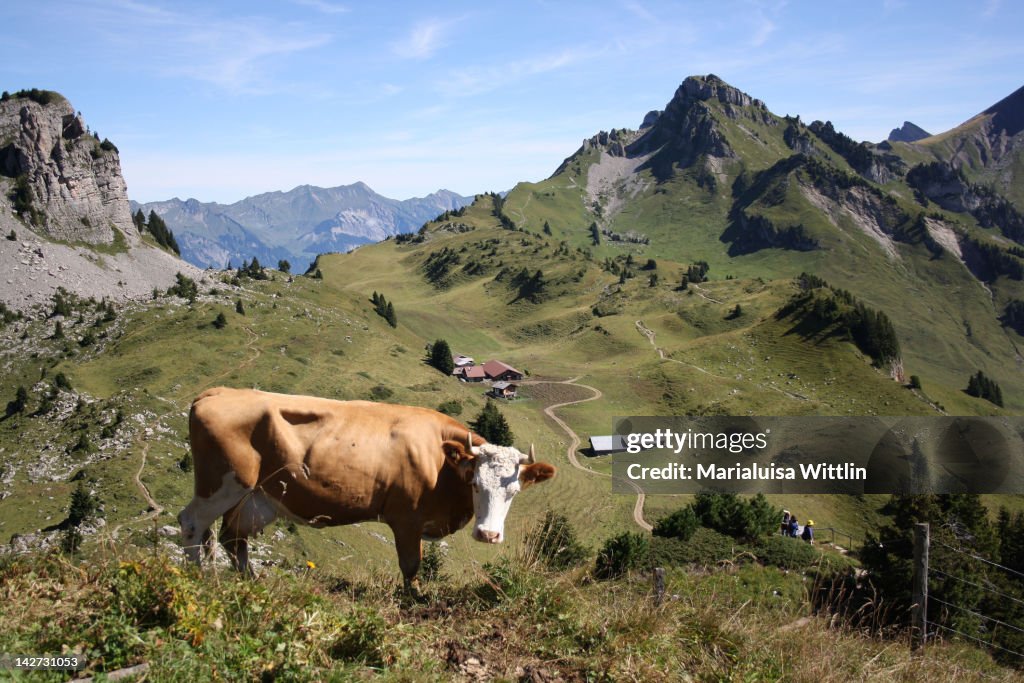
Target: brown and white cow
[{"x": 258, "y": 455}]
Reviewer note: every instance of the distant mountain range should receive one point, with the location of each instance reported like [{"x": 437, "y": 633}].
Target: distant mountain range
[{"x": 295, "y": 225}]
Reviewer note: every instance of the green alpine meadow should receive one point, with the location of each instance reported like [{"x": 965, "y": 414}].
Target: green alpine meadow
[{"x": 720, "y": 259}]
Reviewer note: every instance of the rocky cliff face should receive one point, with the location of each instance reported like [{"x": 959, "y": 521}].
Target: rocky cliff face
[
  {"x": 63, "y": 180},
  {"x": 60, "y": 185}
]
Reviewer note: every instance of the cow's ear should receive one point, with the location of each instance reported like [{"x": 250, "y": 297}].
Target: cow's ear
[
  {"x": 456, "y": 456},
  {"x": 535, "y": 473}
]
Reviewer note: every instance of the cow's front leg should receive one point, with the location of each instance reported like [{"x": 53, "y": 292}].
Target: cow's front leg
[{"x": 410, "y": 552}]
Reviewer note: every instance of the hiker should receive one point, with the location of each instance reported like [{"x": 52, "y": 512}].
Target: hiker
[
  {"x": 808, "y": 534},
  {"x": 794, "y": 527},
  {"x": 785, "y": 522}
]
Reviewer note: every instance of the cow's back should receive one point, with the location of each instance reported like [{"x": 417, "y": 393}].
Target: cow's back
[{"x": 339, "y": 461}]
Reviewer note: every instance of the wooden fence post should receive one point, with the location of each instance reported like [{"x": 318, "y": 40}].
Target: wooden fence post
[
  {"x": 659, "y": 586},
  {"x": 919, "y": 615}
]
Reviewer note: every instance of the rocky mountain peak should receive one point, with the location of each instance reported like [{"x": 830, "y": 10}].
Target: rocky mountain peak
[
  {"x": 650, "y": 119},
  {"x": 908, "y": 132},
  {"x": 57, "y": 176},
  {"x": 711, "y": 87}
]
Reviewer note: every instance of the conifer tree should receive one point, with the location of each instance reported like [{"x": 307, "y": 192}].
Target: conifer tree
[
  {"x": 491, "y": 425},
  {"x": 441, "y": 357}
]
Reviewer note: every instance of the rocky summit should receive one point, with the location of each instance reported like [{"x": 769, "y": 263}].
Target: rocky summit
[
  {"x": 64, "y": 209},
  {"x": 908, "y": 132}
]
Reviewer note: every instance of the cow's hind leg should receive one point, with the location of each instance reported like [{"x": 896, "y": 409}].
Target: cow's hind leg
[
  {"x": 200, "y": 513},
  {"x": 242, "y": 521}
]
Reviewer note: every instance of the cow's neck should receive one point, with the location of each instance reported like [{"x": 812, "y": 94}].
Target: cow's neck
[{"x": 451, "y": 504}]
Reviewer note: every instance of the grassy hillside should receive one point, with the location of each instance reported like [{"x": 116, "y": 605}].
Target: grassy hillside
[
  {"x": 578, "y": 281},
  {"x": 511, "y": 620}
]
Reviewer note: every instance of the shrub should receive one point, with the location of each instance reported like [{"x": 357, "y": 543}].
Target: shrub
[
  {"x": 221, "y": 321},
  {"x": 432, "y": 564},
  {"x": 83, "y": 444},
  {"x": 680, "y": 524},
  {"x": 705, "y": 548},
  {"x": 730, "y": 515},
  {"x": 18, "y": 404},
  {"x": 786, "y": 553},
  {"x": 622, "y": 553},
  {"x": 381, "y": 393},
  {"x": 553, "y": 541},
  {"x": 185, "y": 287},
  {"x": 452, "y": 407},
  {"x": 61, "y": 382}
]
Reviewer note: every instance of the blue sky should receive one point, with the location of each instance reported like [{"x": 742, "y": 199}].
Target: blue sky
[{"x": 223, "y": 100}]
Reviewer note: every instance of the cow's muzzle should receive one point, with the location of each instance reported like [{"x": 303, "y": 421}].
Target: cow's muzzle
[{"x": 485, "y": 536}]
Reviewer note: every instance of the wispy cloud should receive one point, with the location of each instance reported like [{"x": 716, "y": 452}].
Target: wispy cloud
[
  {"x": 479, "y": 79},
  {"x": 425, "y": 38},
  {"x": 764, "y": 29},
  {"x": 763, "y": 15},
  {"x": 323, "y": 6},
  {"x": 641, "y": 11},
  {"x": 991, "y": 7},
  {"x": 237, "y": 54}
]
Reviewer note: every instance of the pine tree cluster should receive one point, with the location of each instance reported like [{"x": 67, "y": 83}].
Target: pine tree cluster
[
  {"x": 185, "y": 287},
  {"x": 530, "y": 287},
  {"x": 158, "y": 229},
  {"x": 252, "y": 269},
  {"x": 697, "y": 273},
  {"x": 499, "y": 212},
  {"x": 870, "y": 329},
  {"x": 981, "y": 385},
  {"x": 961, "y": 532},
  {"x": 1013, "y": 316},
  {"x": 384, "y": 309},
  {"x": 439, "y": 265}
]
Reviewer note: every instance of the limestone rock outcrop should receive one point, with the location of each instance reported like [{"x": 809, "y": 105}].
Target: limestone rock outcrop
[{"x": 70, "y": 182}]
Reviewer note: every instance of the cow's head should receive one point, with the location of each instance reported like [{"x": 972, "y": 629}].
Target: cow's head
[{"x": 497, "y": 474}]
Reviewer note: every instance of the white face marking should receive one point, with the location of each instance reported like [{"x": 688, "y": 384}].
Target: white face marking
[{"x": 495, "y": 484}]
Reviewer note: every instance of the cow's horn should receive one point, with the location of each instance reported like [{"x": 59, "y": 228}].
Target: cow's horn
[
  {"x": 469, "y": 442},
  {"x": 530, "y": 457}
]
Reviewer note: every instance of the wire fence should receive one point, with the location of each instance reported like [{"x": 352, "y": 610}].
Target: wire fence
[{"x": 990, "y": 621}]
